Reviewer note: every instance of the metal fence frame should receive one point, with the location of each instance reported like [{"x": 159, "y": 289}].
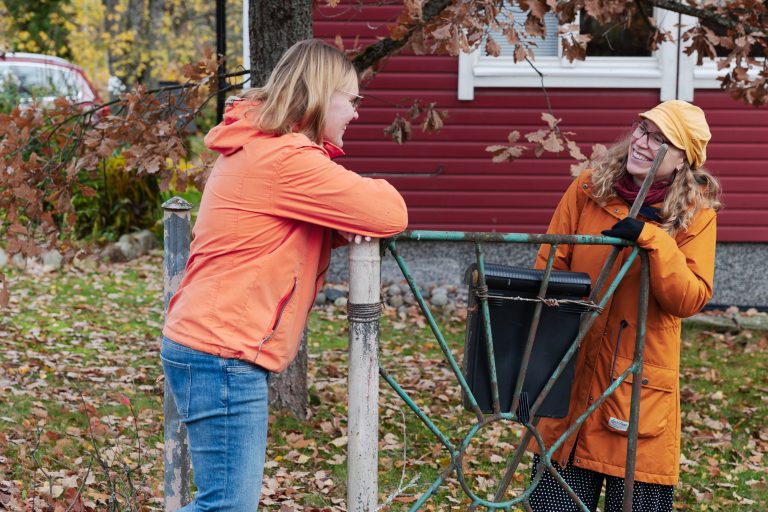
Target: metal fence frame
[{"x": 456, "y": 451}]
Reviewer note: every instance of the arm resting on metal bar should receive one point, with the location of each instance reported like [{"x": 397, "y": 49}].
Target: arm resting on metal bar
[{"x": 682, "y": 268}]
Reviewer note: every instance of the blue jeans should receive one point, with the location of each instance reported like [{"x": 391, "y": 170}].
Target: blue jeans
[{"x": 224, "y": 404}]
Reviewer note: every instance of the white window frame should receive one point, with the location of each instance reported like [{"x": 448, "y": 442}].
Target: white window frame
[{"x": 657, "y": 71}]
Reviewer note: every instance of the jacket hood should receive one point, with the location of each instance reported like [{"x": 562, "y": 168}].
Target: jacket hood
[{"x": 238, "y": 128}]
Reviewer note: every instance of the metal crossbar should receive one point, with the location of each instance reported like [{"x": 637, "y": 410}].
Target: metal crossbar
[{"x": 457, "y": 450}]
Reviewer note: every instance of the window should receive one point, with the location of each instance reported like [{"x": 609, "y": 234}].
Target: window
[
  {"x": 614, "y": 59},
  {"x": 617, "y": 40}
]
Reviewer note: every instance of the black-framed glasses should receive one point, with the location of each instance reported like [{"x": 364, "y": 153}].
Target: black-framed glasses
[
  {"x": 654, "y": 139},
  {"x": 355, "y": 99}
]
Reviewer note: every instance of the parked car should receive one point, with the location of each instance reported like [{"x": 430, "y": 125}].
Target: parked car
[{"x": 42, "y": 78}]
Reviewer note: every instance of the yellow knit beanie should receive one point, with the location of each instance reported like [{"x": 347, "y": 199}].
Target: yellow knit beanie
[{"x": 685, "y": 126}]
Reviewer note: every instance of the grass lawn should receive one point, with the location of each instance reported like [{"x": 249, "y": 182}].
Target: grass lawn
[{"x": 81, "y": 407}]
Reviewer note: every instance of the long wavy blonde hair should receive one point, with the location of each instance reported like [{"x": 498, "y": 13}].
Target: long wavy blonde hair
[
  {"x": 297, "y": 94},
  {"x": 691, "y": 189}
]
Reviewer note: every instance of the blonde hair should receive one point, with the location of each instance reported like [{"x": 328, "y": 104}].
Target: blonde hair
[
  {"x": 691, "y": 189},
  {"x": 296, "y": 96}
]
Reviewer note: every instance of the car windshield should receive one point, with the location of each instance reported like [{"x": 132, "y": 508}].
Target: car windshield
[{"x": 39, "y": 81}]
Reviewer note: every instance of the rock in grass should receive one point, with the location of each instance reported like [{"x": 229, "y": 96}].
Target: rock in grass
[
  {"x": 334, "y": 293},
  {"x": 51, "y": 260},
  {"x": 396, "y": 301},
  {"x": 130, "y": 246},
  {"x": 393, "y": 290},
  {"x": 438, "y": 300},
  {"x": 146, "y": 240}
]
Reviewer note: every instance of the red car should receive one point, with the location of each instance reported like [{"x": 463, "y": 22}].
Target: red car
[{"x": 44, "y": 78}]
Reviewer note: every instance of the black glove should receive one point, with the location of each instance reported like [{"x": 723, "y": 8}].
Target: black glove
[{"x": 627, "y": 229}]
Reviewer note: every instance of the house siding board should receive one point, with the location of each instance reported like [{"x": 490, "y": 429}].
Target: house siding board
[{"x": 448, "y": 179}]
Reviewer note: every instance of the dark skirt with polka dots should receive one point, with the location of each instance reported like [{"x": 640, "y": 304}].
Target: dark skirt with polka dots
[{"x": 549, "y": 496}]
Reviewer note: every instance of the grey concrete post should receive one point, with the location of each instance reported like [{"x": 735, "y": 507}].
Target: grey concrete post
[
  {"x": 176, "y": 238},
  {"x": 363, "y": 434}
]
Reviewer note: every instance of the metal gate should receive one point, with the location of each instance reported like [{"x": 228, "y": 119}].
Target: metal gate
[{"x": 358, "y": 500}]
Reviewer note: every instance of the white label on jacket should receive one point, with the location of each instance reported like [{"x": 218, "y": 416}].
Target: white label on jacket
[{"x": 617, "y": 424}]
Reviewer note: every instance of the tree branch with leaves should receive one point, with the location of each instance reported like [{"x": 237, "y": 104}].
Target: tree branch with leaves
[{"x": 48, "y": 151}]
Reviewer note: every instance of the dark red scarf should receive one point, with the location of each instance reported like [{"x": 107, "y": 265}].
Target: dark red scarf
[{"x": 628, "y": 190}]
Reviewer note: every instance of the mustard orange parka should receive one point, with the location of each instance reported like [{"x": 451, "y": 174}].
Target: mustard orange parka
[{"x": 681, "y": 273}]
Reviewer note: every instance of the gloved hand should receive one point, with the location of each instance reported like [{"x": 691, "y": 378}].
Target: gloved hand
[{"x": 627, "y": 229}]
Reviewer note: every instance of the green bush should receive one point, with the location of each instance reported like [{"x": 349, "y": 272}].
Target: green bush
[{"x": 123, "y": 203}]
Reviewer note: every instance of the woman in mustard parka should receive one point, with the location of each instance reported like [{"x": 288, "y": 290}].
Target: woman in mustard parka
[{"x": 676, "y": 226}]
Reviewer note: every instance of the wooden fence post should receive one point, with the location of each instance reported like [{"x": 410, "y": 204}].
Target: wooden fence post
[
  {"x": 176, "y": 238},
  {"x": 364, "y": 310}
]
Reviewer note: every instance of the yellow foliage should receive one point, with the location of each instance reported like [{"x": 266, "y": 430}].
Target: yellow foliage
[
  {"x": 179, "y": 37},
  {"x": 101, "y": 42}
]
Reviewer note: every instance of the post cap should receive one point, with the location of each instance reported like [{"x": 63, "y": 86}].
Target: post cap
[{"x": 176, "y": 203}]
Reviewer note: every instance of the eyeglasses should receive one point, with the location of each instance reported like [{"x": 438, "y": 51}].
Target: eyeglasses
[
  {"x": 654, "y": 139},
  {"x": 355, "y": 99}
]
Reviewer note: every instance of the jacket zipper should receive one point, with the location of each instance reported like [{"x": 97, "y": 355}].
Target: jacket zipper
[
  {"x": 281, "y": 308},
  {"x": 622, "y": 325}
]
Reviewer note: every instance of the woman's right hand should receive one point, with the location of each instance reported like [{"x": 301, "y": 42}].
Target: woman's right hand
[{"x": 353, "y": 237}]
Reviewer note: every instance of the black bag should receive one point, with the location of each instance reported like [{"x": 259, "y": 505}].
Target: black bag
[{"x": 510, "y": 324}]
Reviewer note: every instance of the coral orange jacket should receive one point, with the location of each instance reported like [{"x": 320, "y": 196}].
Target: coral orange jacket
[
  {"x": 262, "y": 240},
  {"x": 681, "y": 274}
]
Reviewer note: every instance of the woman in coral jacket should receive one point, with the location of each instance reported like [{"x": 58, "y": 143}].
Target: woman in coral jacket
[
  {"x": 676, "y": 226},
  {"x": 274, "y": 206}
]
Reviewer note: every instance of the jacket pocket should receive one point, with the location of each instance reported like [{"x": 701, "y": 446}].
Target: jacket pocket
[
  {"x": 275, "y": 323},
  {"x": 656, "y": 400}
]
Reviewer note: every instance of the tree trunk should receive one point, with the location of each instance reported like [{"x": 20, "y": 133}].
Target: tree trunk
[
  {"x": 274, "y": 27},
  {"x": 288, "y": 390}
]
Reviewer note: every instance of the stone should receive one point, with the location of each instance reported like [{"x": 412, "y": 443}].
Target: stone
[
  {"x": 19, "y": 261},
  {"x": 438, "y": 300},
  {"x": 334, "y": 293},
  {"x": 393, "y": 290},
  {"x": 396, "y": 301},
  {"x": 130, "y": 246},
  {"x": 409, "y": 298},
  {"x": 51, "y": 260},
  {"x": 112, "y": 253},
  {"x": 147, "y": 240},
  {"x": 340, "y": 302},
  {"x": 439, "y": 290},
  {"x": 86, "y": 264},
  {"x": 320, "y": 299},
  {"x": 3, "y": 258}
]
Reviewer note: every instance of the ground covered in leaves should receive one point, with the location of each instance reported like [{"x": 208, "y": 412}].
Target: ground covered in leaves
[{"x": 81, "y": 407}]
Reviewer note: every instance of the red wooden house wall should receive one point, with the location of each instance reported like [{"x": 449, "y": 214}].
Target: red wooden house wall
[{"x": 448, "y": 179}]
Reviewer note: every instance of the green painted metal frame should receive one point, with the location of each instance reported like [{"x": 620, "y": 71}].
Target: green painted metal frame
[{"x": 457, "y": 451}]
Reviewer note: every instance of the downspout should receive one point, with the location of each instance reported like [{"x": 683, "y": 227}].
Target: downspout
[
  {"x": 246, "y": 42},
  {"x": 677, "y": 60}
]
